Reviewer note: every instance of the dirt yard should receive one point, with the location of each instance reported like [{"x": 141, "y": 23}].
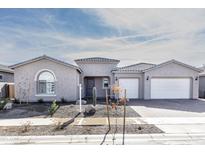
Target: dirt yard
[
  {"x": 37, "y": 110},
  {"x": 77, "y": 130}
]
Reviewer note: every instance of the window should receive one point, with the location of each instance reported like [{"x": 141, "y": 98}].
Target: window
[
  {"x": 1, "y": 77},
  {"x": 105, "y": 82},
  {"x": 46, "y": 83}
]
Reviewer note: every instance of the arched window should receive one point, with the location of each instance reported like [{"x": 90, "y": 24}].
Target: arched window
[{"x": 46, "y": 83}]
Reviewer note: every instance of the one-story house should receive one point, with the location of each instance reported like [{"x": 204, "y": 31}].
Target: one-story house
[
  {"x": 48, "y": 78},
  {"x": 6, "y": 81}
]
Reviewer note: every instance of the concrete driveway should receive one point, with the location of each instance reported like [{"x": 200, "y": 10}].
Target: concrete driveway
[
  {"x": 169, "y": 108},
  {"x": 173, "y": 116}
]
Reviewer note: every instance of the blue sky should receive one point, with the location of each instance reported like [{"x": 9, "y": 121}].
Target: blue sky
[{"x": 131, "y": 35}]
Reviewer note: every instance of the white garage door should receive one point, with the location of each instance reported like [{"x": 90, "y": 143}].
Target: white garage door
[
  {"x": 131, "y": 86},
  {"x": 170, "y": 88}
]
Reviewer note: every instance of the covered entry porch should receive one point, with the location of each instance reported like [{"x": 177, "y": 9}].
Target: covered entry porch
[{"x": 101, "y": 83}]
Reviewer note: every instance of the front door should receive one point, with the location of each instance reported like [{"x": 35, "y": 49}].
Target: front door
[{"x": 89, "y": 86}]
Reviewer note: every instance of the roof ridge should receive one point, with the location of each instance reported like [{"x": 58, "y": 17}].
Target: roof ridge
[
  {"x": 41, "y": 57},
  {"x": 135, "y": 65},
  {"x": 174, "y": 61},
  {"x": 97, "y": 59}
]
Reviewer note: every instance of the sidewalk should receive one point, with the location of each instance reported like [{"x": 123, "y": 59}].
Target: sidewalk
[{"x": 104, "y": 121}]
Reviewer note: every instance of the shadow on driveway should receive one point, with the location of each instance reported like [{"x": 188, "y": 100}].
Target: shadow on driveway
[{"x": 197, "y": 106}]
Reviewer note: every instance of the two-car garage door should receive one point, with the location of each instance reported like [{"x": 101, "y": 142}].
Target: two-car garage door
[
  {"x": 170, "y": 88},
  {"x": 161, "y": 88}
]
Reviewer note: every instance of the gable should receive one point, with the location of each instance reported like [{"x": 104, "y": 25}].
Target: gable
[
  {"x": 174, "y": 62},
  {"x": 172, "y": 69},
  {"x": 44, "y": 57}
]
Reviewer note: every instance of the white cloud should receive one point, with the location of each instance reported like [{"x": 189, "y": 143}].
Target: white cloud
[{"x": 169, "y": 33}]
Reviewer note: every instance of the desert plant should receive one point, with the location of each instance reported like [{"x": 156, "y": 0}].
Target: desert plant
[
  {"x": 3, "y": 103},
  {"x": 58, "y": 126},
  {"x": 94, "y": 96},
  {"x": 25, "y": 127},
  {"x": 53, "y": 108}
]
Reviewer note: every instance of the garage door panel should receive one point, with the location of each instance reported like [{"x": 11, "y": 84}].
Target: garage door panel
[
  {"x": 132, "y": 87},
  {"x": 171, "y": 88}
]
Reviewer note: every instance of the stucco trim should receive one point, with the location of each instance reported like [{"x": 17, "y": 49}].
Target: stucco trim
[
  {"x": 173, "y": 61},
  {"x": 44, "y": 70}
]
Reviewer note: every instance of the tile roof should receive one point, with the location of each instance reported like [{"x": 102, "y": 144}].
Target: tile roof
[
  {"x": 4, "y": 68},
  {"x": 139, "y": 67},
  {"x": 97, "y": 59}
]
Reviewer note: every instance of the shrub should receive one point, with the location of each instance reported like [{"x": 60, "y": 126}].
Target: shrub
[
  {"x": 25, "y": 127},
  {"x": 40, "y": 100},
  {"x": 3, "y": 103},
  {"x": 53, "y": 108}
]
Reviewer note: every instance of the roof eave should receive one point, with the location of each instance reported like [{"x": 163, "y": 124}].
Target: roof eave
[
  {"x": 45, "y": 57},
  {"x": 173, "y": 61},
  {"x": 7, "y": 71}
]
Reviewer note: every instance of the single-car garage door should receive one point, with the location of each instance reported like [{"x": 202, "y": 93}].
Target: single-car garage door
[
  {"x": 170, "y": 88},
  {"x": 132, "y": 87}
]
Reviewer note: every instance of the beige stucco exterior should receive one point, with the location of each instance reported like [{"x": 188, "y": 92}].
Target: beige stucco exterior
[
  {"x": 171, "y": 70},
  {"x": 66, "y": 85},
  {"x": 98, "y": 70},
  {"x": 68, "y": 78}
]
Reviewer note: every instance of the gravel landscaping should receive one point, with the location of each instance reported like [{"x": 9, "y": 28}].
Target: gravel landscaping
[
  {"x": 71, "y": 110},
  {"x": 25, "y": 111},
  {"x": 65, "y": 111},
  {"x": 76, "y": 130}
]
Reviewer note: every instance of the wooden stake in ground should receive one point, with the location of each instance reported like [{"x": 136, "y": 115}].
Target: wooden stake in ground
[
  {"x": 107, "y": 105},
  {"x": 125, "y": 101}
]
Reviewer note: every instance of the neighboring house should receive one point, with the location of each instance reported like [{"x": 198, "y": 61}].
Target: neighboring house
[
  {"x": 48, "y": 78},
  {"x": 202, "y": 83},
  {"x": 6, "y": 78}
]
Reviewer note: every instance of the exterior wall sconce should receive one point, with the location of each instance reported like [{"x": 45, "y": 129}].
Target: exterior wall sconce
[
  {"x": 147, "y": 78},
  {"x": 196, "y": 78},
  {"x": 116, "y": 78}
]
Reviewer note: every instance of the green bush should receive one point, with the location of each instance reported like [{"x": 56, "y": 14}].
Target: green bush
[
  {"x": 53, "y": 108},
  {"x": 3, "y": 103}
]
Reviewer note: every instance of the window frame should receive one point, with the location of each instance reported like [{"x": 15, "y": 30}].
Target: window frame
[
  {"x": 47, "y": 84},
  {"x": 103, "y": 83}
]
